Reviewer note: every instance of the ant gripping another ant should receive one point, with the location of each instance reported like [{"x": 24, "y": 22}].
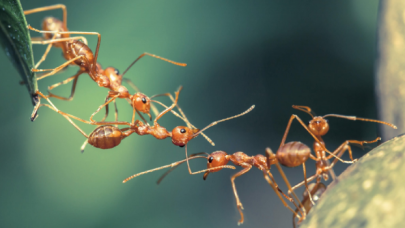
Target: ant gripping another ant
[
  {"x": 219, "y": 159},
  {"x": 289, "y": 154},
  {"x": 108, "y": 136},
  {"x": 78, "y": 53}
]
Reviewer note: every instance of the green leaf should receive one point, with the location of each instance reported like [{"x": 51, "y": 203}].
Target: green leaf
[
  {"x": 369, "y": 193},
  {"x": 16, "y": 42}
]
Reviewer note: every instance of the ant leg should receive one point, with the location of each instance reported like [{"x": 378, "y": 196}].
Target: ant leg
[
  {"x": 290, "y": 190},
  {"x": 101, "y": 106},
  {"x": 170, "y": 108},
  {"x": 183, "y": 116},
  {"x": 306, "y": 128},
  {"x": 83, "y": 146},
  {"x": 106, "y": 108},
  {"x": 88, "y": 122},
  {"x": 53, "y": 71},
  {"x": 36, "y": 40},
  {"x": 75, "y": 78},
  {"x": 130, "y": 83},
  {"x": 175, "y": 166},
  {"x": 78, "y": 33},
  {"x": 306, "y": 183},
  {"x": 67, "y": 117},
  {"x": 50, "y": 42},
  {"x": 46, "y": 53},
  {"x": 239, "y": 205},
  {"x": 309, "y": 179},
  {"x": 46, "y": 8},
  {"x": 277, "y": 191},
  {"x": 346, "y": 144},
  {"x": 36, "y": 107},
  {"x": 116, "y": 112}
]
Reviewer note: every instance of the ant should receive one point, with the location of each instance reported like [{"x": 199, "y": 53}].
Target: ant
[
  {"x": 315, "y": 190},
  {"x": 318, "y": 127},
  {"x": 290, "y": 154},
  {"x": 108, "y": 136},
  {"x": 218, "y": 160},
  {"x": 78, "y": 53}
]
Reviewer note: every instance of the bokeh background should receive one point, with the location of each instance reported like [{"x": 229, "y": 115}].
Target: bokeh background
[{"x": 269, "y": 53}]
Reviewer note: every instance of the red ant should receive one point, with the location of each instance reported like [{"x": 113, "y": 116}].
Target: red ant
[
  {"x": 78, "y": 53},
  {"x": 318, "y": 127},
  {"x": 218, "y": 159},
  {"x": 315, "y": 190},
  {"x": 107, "y": 136},
  {"x": 290, "y": 154}
]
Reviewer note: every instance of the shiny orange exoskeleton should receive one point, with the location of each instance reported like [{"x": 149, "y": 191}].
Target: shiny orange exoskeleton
[
  {"x": 219, "y": 159},
  {"x": 180, "y": 135},
  {"x": 289, "y": 154},
  {"x": 318, "y": 127},
  {"x": 78, "y": 53}
]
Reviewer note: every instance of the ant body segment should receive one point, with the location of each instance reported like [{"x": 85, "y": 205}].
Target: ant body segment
[{"x": 78, "y": 53}]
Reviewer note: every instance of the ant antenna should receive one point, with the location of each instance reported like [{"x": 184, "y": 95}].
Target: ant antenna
[
  {"x": 305, "y": 109},
  {"x": 219, "y": 121},
  {"x": 175, "y": 164},
  {"x": 174, "y": 167},
  {"x": 362, "y": 119},
  {"x": 155, "y": 56}
]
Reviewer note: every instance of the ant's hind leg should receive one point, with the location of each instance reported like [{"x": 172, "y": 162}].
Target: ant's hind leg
[
  {"x": 57, "y": 69},
  {"x": 277, "y": 191}
]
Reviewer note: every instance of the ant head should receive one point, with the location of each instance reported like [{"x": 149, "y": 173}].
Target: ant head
[
  {"x": 216, "y": 159},
  {"x": 181, "y": 135},
  {"x": 141, "y": 102},
  {"x": 318, "y": 125}
]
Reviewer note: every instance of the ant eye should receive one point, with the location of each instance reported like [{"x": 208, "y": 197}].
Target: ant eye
[
  {"x": 117, "y": 71},
  {"x": 183, "y": 130},
  {"x": 210, "y": 159},
  {"x": 143, "y": 100},
  {"x": 327, "y": 121},
  {"x": 318, "y": 122}
]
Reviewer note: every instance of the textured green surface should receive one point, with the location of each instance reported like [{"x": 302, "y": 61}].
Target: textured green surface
[
  {"x": 16, "y": 41},
  {"x": 370, "y": 193}
]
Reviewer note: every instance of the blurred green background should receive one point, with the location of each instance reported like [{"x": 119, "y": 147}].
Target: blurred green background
[{"x": 269, "y": 53}]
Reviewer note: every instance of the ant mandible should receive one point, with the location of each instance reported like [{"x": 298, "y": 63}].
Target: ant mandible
[{"x": 78, "y": 53}]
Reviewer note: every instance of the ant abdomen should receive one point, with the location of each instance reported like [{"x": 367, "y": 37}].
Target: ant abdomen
[
  {"x": 293, "y": 154},
  {"x": 105, "y": 137}
]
